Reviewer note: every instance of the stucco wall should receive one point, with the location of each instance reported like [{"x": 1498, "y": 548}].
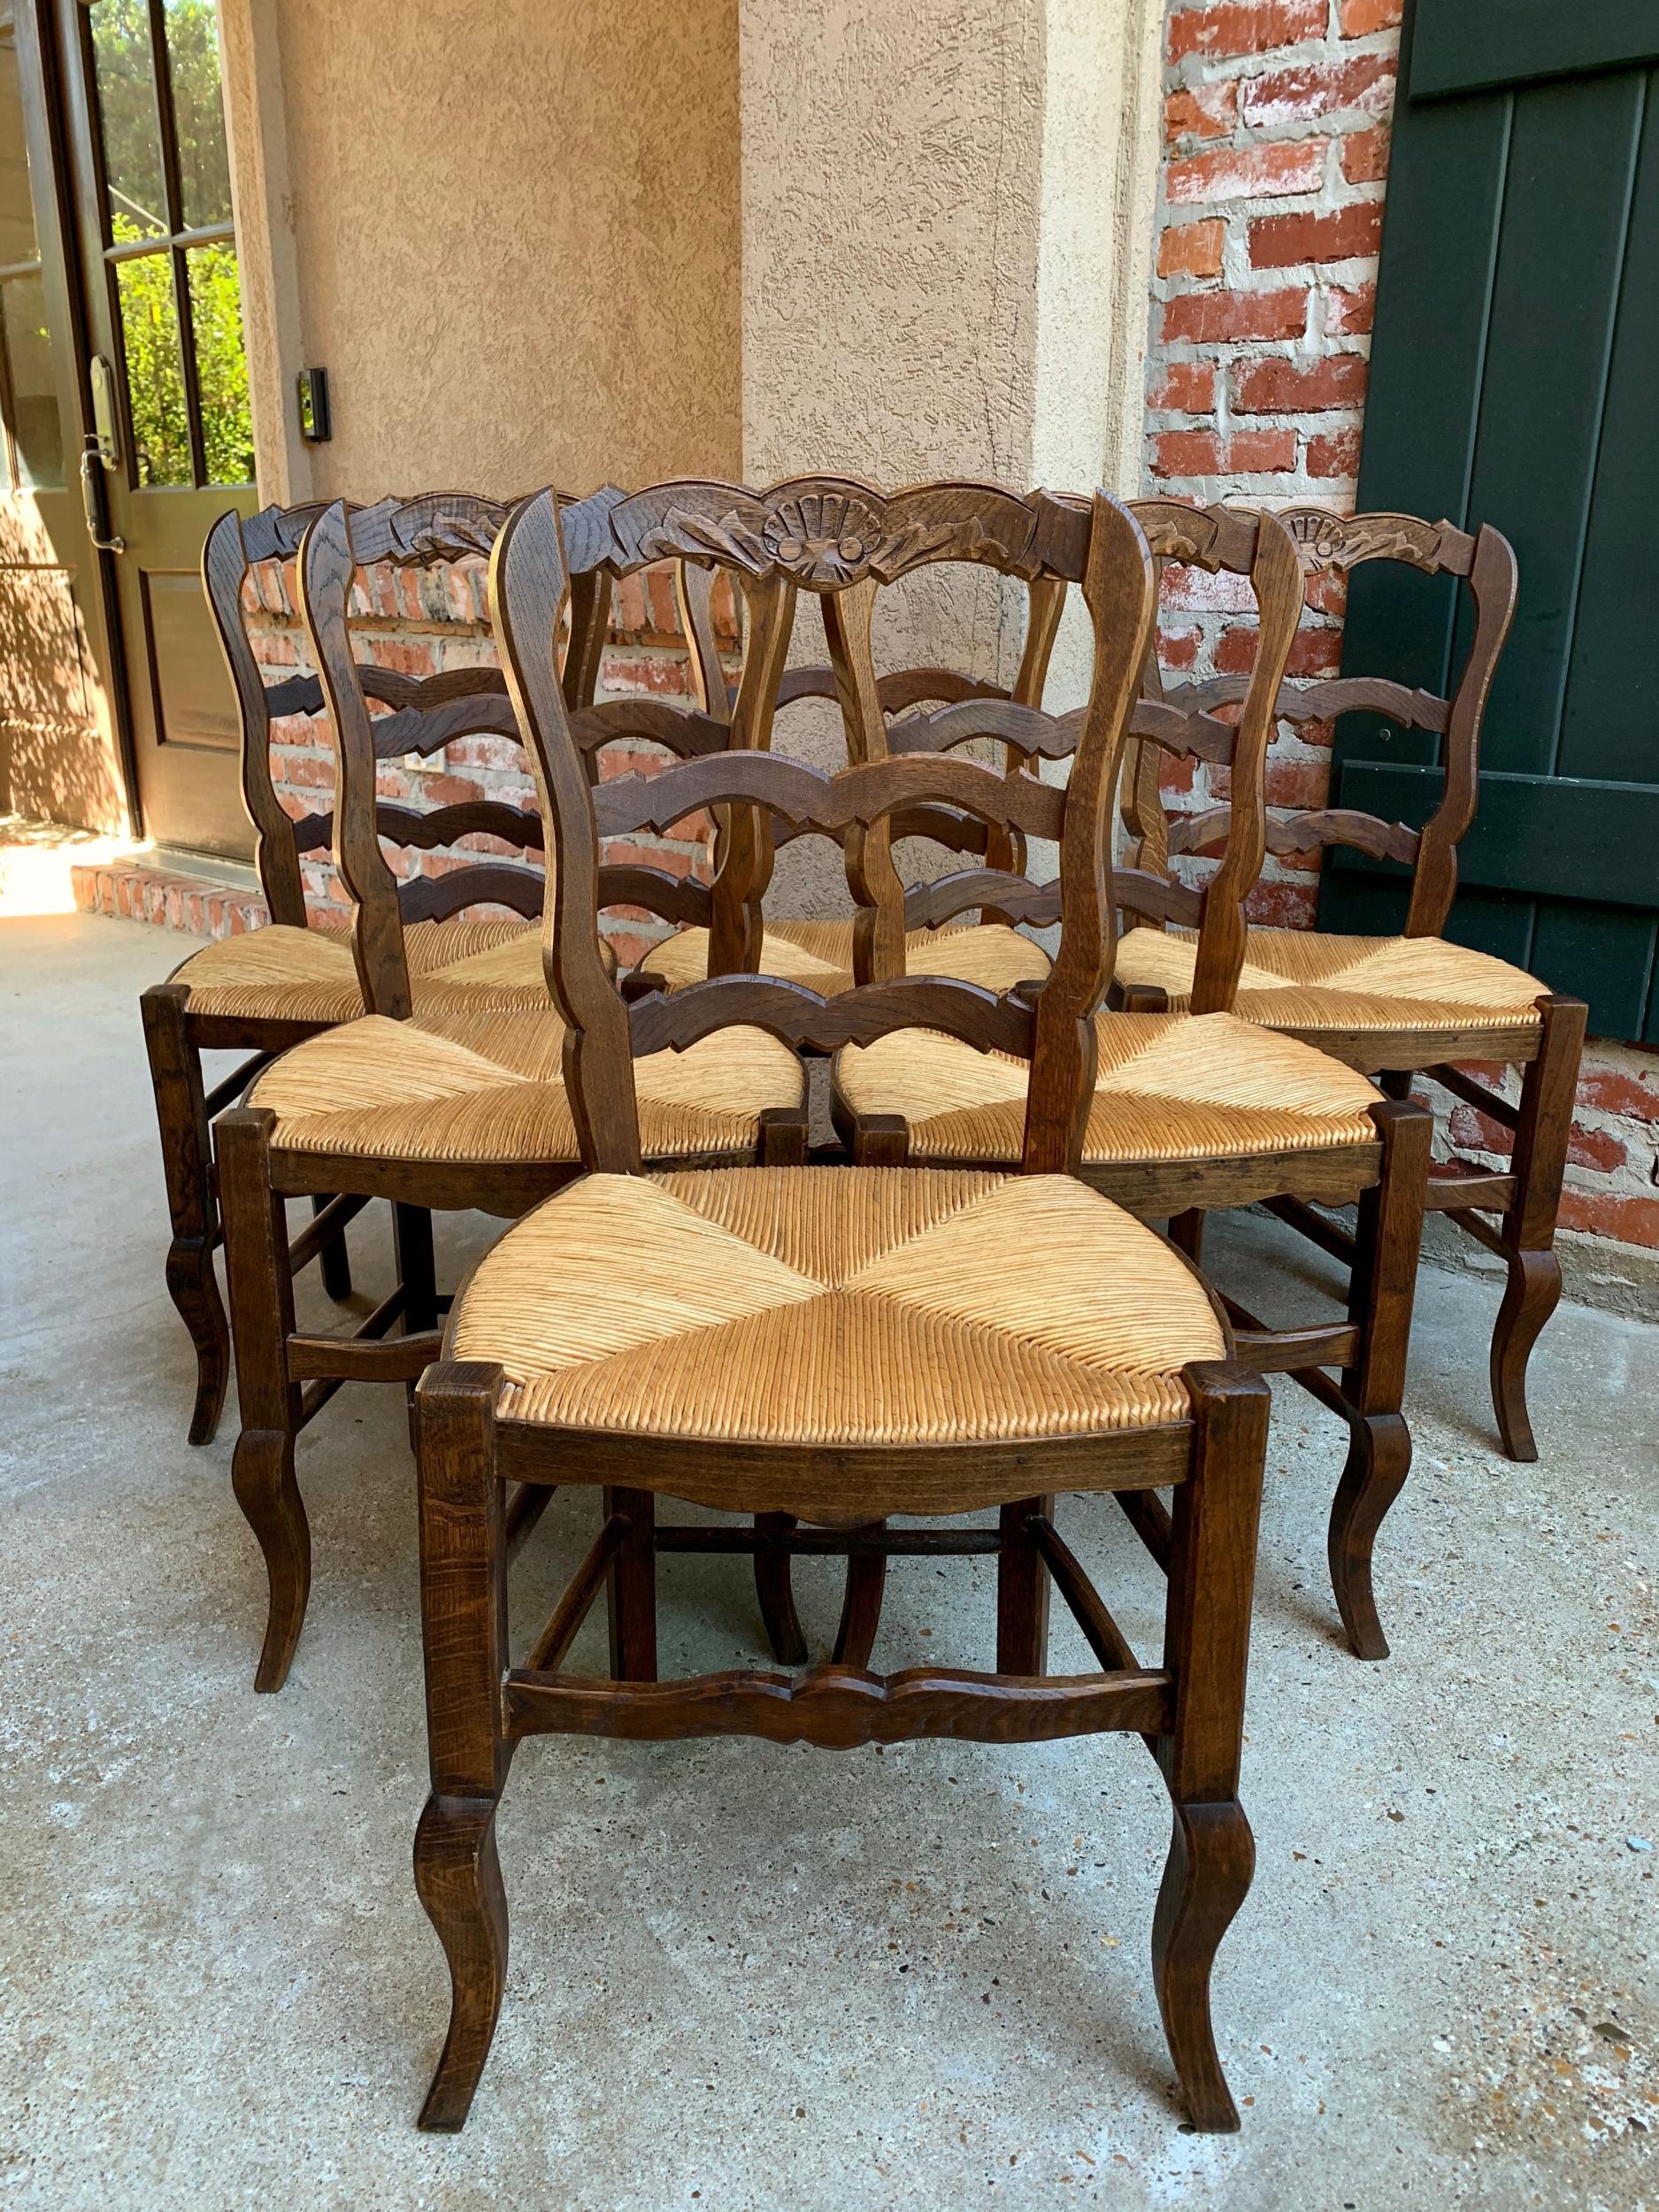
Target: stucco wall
[{"x": 515, "y": 232}]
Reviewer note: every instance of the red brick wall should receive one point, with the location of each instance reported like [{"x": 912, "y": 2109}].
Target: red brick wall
[
  {"x": 422, "y": 621},
  {"x": 1276, "y": 158}
]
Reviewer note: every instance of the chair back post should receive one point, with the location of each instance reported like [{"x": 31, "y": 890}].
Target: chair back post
[
  {"x": 226, "y": 561},
  {"x": 528, "y": 588},
  {"x": 1495, "y": 585},
  {"x": 743, "y": 850},
  {"x": 871, "y": 877},
  {"x": 1120, "y": 593},
  {"x": 1276, "y": 582},
  {"x": 327, "y": 569}
]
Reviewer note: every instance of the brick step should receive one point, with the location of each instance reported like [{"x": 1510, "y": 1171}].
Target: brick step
[{"x": 150, "y": 890}]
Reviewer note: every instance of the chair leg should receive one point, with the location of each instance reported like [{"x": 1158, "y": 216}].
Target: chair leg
[
  {"x": 775, "y": 1591},
  {"x": 464, "y": 1629},
  {"x": 417, "y": 1271},
  {"x": 262, "y": 1315},
  {"x": 175, "y": 1075},
  {"x": 861, "y": 1608},
  {"x": 1548, "y": 1089},
  {"x": 631, "y": 1591},
  {"x": 1186, "y": 1234},
  {"x": 1022, "y": 1592},
  {"x": 1206, "y": 1643},
  {"x": 334, "y": 1262},
  {"x": 1381, "y": 1288}
]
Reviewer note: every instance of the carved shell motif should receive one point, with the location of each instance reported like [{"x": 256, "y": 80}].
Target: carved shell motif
[
  {"x": 1328, "y": 541},
  {"x": 823, "y": 537}
]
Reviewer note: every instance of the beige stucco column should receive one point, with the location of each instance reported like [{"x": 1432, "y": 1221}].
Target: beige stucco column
[
  {"x": 947, "y": 219},
  {"x": 948, "y": 214}
]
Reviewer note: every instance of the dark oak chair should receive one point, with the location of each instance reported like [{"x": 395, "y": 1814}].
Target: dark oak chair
[
  {"x": 1194, "y": 1111},
  {"x": 430, "y": 1100},
  {"x": 833, "y": 1344},
  {"x": 1396, "y": 1006},
  {"x": 263, "y": 991}
]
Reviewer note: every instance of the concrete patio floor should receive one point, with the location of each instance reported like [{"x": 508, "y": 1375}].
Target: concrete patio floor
[{"x": 745, "y": 1976}]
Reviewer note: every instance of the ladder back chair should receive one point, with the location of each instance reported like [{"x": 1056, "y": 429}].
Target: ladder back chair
[
  {"x": 831, "y": 1343},
  {"x": 1417, "y": 1003},
  {"x": 828, "y": 954},
  {"x": 1194, "y": 1111},
  {"x": 435, "y": 1099},
  {"x": 265, "y": 990}
]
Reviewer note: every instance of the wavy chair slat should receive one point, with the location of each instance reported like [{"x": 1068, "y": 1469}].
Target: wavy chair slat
[
  {"x": 929, "y": 905},
  {"x": 1160, "y": 898},
  {"x": 519, "y": 827},
  {"x": 1322, "y": 700},
  {"x": 314, "y": 833},
  {"x": 679, "y": 899},
  {"x": 488, "y": 883},
  {"x": 683, "y": 730},
  {"x": 669, "y": 1021},
  {"x": 294, "y": 694},
  {"x": 432, "y": 526},
  {"x": 812, "y": 798},
  {"x": 1026, "y": 730},
  {"x": 1303, "y": 833},
  {"x": 1176, "y": 731},
  {"x": 395, "y": 687},
  {"x": 424, "y": 730},
  {"x": 896, "y": 691}
]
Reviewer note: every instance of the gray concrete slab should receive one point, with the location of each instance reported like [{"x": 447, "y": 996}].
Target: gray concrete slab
[{"x": 745, "y": 1976}]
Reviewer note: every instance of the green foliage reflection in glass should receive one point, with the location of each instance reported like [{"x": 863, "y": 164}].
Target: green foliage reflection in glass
[
  {"x": 155, "y": 382},
  {"x": 130, "y": 127}
]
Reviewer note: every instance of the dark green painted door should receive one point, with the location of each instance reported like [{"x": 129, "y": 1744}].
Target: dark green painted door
[{"x": 1515, "y": 381}]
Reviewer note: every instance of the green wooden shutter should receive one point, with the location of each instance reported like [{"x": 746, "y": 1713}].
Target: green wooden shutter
[{"x": 1515, "y": 381}]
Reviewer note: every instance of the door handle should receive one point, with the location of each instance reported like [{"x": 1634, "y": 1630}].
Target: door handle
[{"x": 93, "y": 498}]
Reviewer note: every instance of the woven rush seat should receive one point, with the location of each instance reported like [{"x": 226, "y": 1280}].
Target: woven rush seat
[
  {"x": 487, "y": 1088},
  {"x": 1304, "y": 981},
  {"x": 1168, "y": 1087},
  {"x": 286, "y": 974},
  {"x": 820, "y": 956},
  {"x": 851, "y": 1307}
]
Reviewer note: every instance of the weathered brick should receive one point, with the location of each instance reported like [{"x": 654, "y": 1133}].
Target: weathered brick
[
  {"x": 1178, "y": 648},
  {"x": 1205, "y": 110},
  {"x": 1207, "y": 317},
  {"x": 1335, "y": 453},
  {"x": 1315, "y": 652},
  {"x": 1613, "y": 1091},
  {"x": 1185, "y": 387},
  {"x": 1244, "y": 27},
  {"x": 1349, "y": 313},
  {"x": 1191, "y": 248},
  {"x": 1607, "y": 1214},
  {"x": 1315, "y": 88},
  {"x": 1595, "y": 1147},
  {"x": 1278, "y": 386},
  {"x": 1257, "y": 452},
  {"x": 1365, "y": 155},
  {"x": 1360, "y": 18},
  {"x": 1186, "y": 453},
  {"x": 1275, "y": 903},
  {"x": 1246, "y": 173},
  {"x": 1351, "y": 233}
]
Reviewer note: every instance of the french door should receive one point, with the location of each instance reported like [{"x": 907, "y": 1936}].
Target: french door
[{"x": 170, "y": 445}]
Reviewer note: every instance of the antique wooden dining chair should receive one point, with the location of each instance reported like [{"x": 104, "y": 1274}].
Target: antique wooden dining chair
[
  {"x": 438, "y": 1102},
  {"x": 1191, "y": 1111},
  {"x": 834, "y": 1343},
  {"x": 263, "y": 991},
  {"x": 1395, "y": 1006}
]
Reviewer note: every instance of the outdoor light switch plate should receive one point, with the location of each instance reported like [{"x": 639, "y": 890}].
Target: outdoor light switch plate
[{"x": 313, "y": 386}]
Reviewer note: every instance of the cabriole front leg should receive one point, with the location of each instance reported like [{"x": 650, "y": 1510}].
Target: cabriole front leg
[{"x": 175, "y": 1075}]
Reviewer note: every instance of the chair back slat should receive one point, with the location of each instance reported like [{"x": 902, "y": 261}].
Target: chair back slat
[
  {"x": 811, "y": 798},
  {"x": 1014, "y": 898},
  {"x": 803, "y": 1019},
  {"x": 824, "y": 535},
  {"x": 1484, "y": 561},
  {"x": 683, "y": 730}
]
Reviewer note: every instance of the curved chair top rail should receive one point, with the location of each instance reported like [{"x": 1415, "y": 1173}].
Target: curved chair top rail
[
  {"x": 1484, "y": 561},
  {"x": 529, "y": 585},
  {"x": 821, "y": 534}
]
